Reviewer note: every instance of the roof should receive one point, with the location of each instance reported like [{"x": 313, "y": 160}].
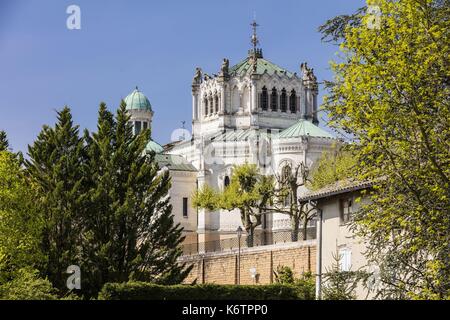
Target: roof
[
  {"x": 154, "y": 146},
  {"x": 262, "y": 66},
  {"x": 174, "y": 162},
  {"x": 136, "y": 100},
  {"x": 304, "y": 128},
  {"x": 238, "y": 135},
  {"x": 340, "y": 187}
]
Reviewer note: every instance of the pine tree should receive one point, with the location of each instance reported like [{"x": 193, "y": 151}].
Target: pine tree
[
  {"x": 56, "y": 165},
  {"x": 129, "y": 230},
  {"x": 4, "y": 145}
]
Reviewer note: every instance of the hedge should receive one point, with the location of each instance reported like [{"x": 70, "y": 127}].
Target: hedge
[{"x": 149, "y": 291}]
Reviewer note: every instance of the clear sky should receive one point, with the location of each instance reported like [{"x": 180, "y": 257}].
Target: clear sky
[{"x": 155, "y": 45}]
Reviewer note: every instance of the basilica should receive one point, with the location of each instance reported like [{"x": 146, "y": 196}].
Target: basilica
[{"x": 253, "y": 111}]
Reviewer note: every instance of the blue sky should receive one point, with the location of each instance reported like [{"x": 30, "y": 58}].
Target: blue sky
[{"x": 153, "y": 44}]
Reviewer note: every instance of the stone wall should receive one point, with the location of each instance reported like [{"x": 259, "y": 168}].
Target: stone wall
[{"x": 222, "y": 267}]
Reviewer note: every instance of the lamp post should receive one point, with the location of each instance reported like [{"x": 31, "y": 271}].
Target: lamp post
[{"x": 239, "y": 235}]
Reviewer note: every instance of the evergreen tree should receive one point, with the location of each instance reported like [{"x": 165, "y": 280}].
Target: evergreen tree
[
  {"x": 341, "y": 285},
  {"x": 56, "y": 166},
  {"x": 128, "y": 230},
  {"x": 4, "y": 145}
]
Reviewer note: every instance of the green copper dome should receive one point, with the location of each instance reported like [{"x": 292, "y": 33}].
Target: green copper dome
[
  {"x": 262, "y": 66},
  {"x": 137, "y": 101},
  {"x": 154, "y": 146},
  {"x": 304, "y": 128}
]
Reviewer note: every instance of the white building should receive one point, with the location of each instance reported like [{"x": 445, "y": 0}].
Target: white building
[{"x": 254, "y": 111}]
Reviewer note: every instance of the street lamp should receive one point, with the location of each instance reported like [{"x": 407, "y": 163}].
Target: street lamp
[{"x": 239, "y": 234}]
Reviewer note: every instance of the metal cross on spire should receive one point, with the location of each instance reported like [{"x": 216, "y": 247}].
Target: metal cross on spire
[{"x": 255, "y": 40}]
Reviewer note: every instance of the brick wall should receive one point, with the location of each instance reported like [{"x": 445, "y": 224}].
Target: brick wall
[{"x": 221, "y": 268}]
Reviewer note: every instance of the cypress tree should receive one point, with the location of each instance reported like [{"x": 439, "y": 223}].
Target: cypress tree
[
  {"x": 56, "y": 164},
  {"x": 129, "y": 231},
  {"x": 4, "y": 145}
]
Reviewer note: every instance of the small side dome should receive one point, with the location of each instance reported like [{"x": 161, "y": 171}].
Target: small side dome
[
  {"x": 154, "y": 146},
  {"x": 136, "y": 100}
]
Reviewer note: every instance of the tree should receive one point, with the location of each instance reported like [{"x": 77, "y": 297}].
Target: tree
[
  {"x": 249, "y": 192},
  {"x": 339, "y": 284},
  {"x": 305, "y": 282},
  {"x": 56, "y": 164},
  {"x": 129, "y": 231},
  {"x": 4, "y": 145},
  {"x": 27, "y": 285},
  {"x": 20, "y": 221},
  {"x": 391, "y": 94},
  {"x": 337, "y": 164},
  {"x": 284, "y": 198}
]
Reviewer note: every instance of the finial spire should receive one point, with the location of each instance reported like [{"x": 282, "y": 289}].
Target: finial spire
[
  {"x": 255, "y": 40},
  {"x": 254, "y": 53}
]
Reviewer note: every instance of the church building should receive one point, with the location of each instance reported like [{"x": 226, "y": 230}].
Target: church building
[{"x": 253, "y": 111}]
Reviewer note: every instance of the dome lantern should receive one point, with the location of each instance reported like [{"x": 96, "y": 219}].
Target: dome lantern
[{"x": 140, "y": 110}]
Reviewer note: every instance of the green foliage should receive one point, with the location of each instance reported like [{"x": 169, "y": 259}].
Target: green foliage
[
  {"x": 334, "y": 165},
  {"x": 391, "y": 94},
  {"x": 249, "y": 192},
  {"x": 341, "y": 285},
  {"x": 284, "y": 275},
  {"x": 128, "y": 225},
  {"x": 97, "y": 201},
  {"x": 20, "y": 221},
  {"x": 206, "y": 198},
  {"x": 4, "y": 145},
  {"x": 147, "y": 291},
  {"x": 27, "y": 285},
  {"x": 305, "y": 283},
  {"x": 56, "y": 166}
]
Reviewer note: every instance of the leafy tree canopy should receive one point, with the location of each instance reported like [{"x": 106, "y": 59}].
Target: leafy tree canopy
[{"x": 391, "y": 94}]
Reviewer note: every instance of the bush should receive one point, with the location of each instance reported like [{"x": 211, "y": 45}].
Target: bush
[
  {"x": 148, "y": 291},
  {"x": 305, "y": 283},
  {"x": 27, "y": 285}
]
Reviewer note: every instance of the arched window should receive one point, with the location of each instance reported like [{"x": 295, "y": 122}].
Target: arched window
[
  {"x": 286, "y": 173},
  {"x": 137, "y": 127},
  {"x": 205, "y": 103},
  {"x": 274, "y": 100},
  {"x": 293, "y": 101},
  {"x": 216, "y": 103},
  {"x": 264, "y": 99},
  {"x": 211, "y": 104},
  {"x": 285, "y": 177},
  {"x": 226, "y": 181},
  {"x": 283, "y": 100}
]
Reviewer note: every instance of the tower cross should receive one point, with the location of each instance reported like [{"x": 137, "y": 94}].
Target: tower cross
[{"x": 255, "y": 40}]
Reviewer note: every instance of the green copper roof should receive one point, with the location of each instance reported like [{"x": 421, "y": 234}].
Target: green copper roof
[
  {"x": 262, "y": 66},
  {"x": 136, "y": 100},
  {"x": 154, "y": 146},
  {"x": 304, "y": 128},
  {"x": 174, "y": 162}
]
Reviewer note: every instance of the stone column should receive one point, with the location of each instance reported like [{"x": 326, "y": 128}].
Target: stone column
[
  {"x": 254, "y": 99},
  {"x": 195, "y": 102},
  {"x": 222, "y": 100}
]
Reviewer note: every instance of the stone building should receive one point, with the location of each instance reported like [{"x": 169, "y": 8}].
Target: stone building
[{"x": 254, "y": 111}]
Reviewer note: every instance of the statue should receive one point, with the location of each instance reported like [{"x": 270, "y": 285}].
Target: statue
[
  {"x": 206, "y": 77},
  {"x": 308, "y": 73},
  {"x": 225, "y": 66},
  {"x": 198, "y": 76}
]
